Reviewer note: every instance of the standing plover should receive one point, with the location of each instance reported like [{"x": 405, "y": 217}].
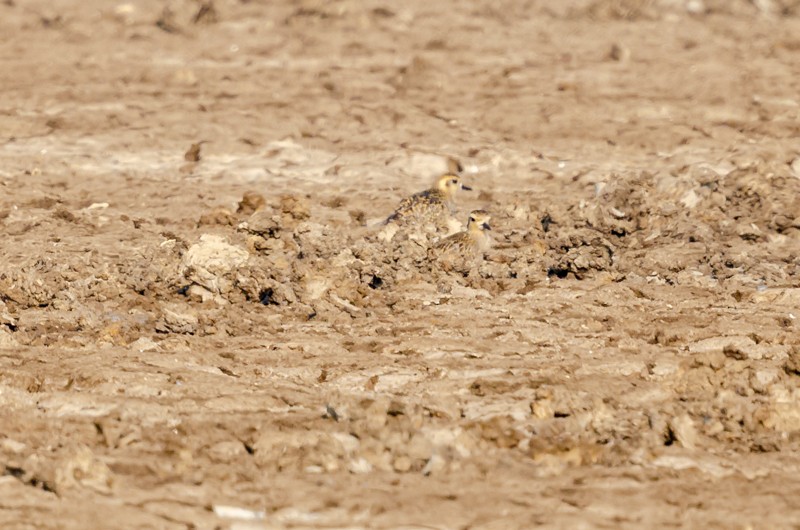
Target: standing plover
[
  {"x": 432, "y": 204},
  {"x": 473, "y": 241}
]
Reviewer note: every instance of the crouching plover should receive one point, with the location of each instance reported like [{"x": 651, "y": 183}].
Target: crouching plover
[
  {"x": 472, "y": 242},
  {"x": 430, "y": 205}
]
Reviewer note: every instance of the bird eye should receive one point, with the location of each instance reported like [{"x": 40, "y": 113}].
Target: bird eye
[
  {"x": 453, "y": 181},
  {"x": 472, "y": 219}
]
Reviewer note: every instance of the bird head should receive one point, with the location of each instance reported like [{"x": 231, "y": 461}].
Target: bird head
[
  {"x": 449, "y": 184},
  {"x": 479, "y": 220}
]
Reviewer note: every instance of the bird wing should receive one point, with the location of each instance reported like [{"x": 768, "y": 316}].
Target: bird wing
[
  {"x": 459, "y": 241},
  {"x": 417, "y": 203}
]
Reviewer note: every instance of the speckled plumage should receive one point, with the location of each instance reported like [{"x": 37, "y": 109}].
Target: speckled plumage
[
  {"x": 429, "y": 205},
  {"x": 470, "y": 242}
]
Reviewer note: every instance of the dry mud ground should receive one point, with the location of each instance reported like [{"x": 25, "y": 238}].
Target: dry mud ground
[{"x": 226, "y": 342}]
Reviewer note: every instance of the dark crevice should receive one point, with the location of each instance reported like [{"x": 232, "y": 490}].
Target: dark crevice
[
  {"x": 266, "y": 297},
  {"x": 557, "y": 272},
  {"x": 34, "y": 482},
  {"x": 669, "y": 437},
  {"x": 546, "y": 222}
]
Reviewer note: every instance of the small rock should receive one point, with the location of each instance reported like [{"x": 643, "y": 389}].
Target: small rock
[
  {"x": 795, "y": 166},
  {"x": 792, "y": 364},
  {"x": 295, "y": 206},
  {"x": 185, "y": 76},
  {"x": 619, "y": 53},
  {"x": 207, "y": 262},
  {"x": 5, "y": 316},
  {"x": 731, "y": 345},
  {"x": 714, "y": 428},
  {"x": 388, "y": 232},
  {"x": 665, "y": 368},
  {"x": 469, "y": 293},
  {"x": 173, "y": 320},
  {"x": 695, "y": 7},
  {"x": 215, "y": 254},
  {"x": 206, "y": 13},
  {"x": 435, "y": 465},
  {"x": 7, "y": 340},
  {"x": 376, "y": 415},
  {"x": 348, "y": 442},
  {"x": 766, "y": 7},
  {"x": 690, "y": 199},
  {"x": 12, "y": 446},
  {"x": 617, "y": 213},
  {"x": 193, "y": 153},
  {"x": 86, "y": 470},
  {"x": 683, "y": 430},
  {"x": 785, "y": 413},
  {"x": 217, "y": 216},
  {"x": 402, "y": 464},
  {"x": 143, "y": 344},
  {"x": 234, "y": 512},
  {"x": 251, "y": 202},
  {"x": 714, "y": 359},
  {"x": 124, "y": 13},
  {"x": 419, "y": 448},
  {"x": 542, "y": 409},
  {"x": 316, "y": 287},
  {"x": 749, "y": 231},
  {"x": 262, "y": 223},
  {"x": 200, "y": 294},
  {"x": 680, "y": 463},
  {"x": 359, "y": 466},
  {"x": 227, "y": 451},
  {"x": 518, "y": 212},
  {"x": 358, "y": 216},
  {"x": 761, "y": 379}
]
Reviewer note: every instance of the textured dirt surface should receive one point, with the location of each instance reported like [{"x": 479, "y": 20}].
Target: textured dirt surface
[{"x": 204, "y": 325}]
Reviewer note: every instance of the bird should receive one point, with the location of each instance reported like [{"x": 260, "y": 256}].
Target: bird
[
  {"x": 432, "y": 204},
  {"x": 471, "y": 242}
]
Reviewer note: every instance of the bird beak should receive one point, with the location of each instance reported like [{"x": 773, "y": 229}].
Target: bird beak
[
  {"x": 467, "y": 188},
  {"x": 486, "y": 226}
]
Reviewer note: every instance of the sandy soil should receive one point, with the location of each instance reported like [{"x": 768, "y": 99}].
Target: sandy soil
[{"x": 223, "y": 338}]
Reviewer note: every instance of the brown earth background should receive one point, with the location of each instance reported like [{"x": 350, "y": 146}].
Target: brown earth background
[{"x": 220, "y": 339}]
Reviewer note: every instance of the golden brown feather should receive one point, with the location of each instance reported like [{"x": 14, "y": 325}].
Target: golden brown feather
[
  {"x": 431, "y": 204},
  {"x": 471, "y": 242}
]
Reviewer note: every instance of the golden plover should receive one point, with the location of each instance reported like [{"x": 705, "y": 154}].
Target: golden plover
[
  {"x": 431, "y": 204},
  {"x": 473, "y": 241}
]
